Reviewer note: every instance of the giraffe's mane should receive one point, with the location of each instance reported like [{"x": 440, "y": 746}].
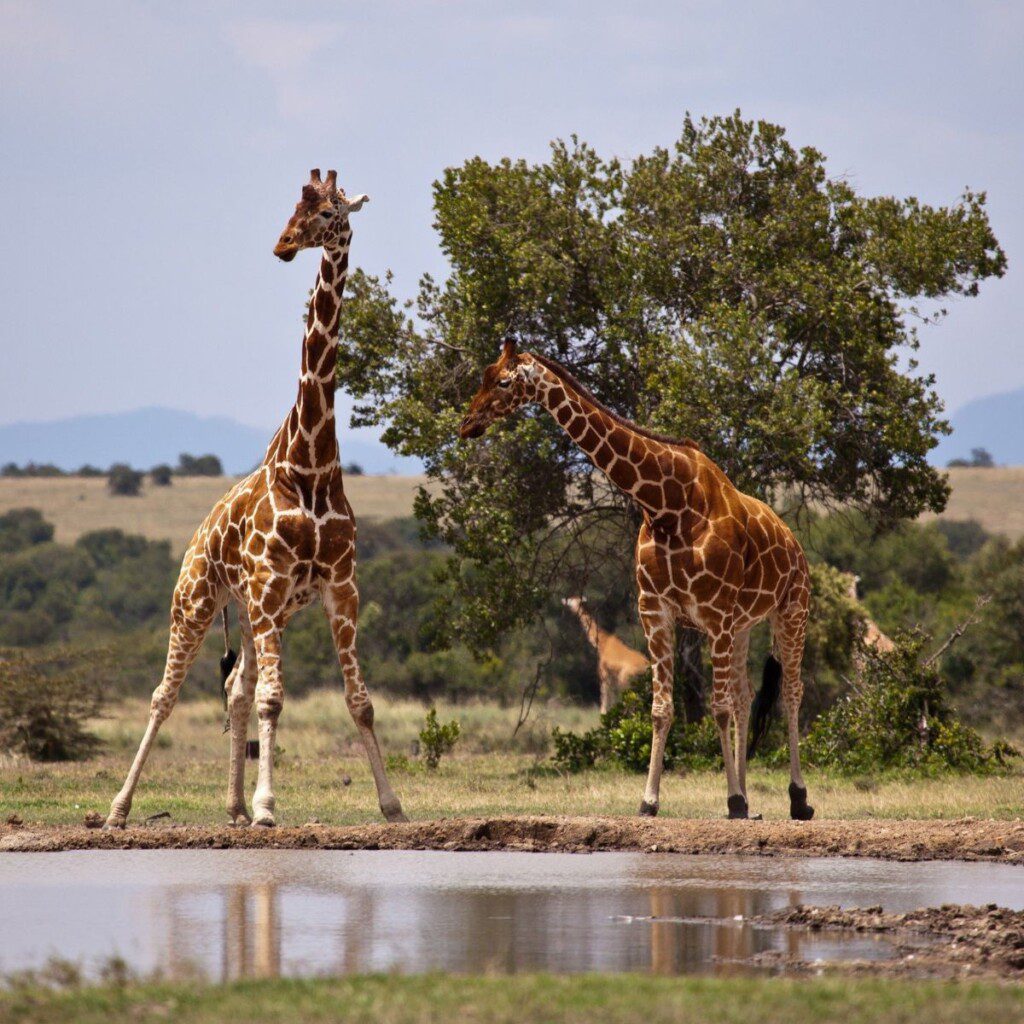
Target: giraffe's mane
[{"x": 563, "y": 374}]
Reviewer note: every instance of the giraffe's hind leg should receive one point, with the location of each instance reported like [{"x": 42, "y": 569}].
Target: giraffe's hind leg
[
  {"x": 187, "y": 634},
  {"x": 790, "y": 626},
  {"x": 659, "y": 627},
  {"x": 741, "y": 701}
]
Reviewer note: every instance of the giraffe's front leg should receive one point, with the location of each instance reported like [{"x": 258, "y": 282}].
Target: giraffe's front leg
[
  {"x": 269, "y": 701},
  {"x": 341, "y": 602},
  {"x": 659, "y": 627},
  {"x": 241, "y": 689},
  {"x": 723, "y": 709}
]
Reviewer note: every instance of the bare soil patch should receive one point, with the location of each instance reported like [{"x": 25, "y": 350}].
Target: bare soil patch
[
  {"x": 948, "y": 941},
  {"x": 965, "y": 839}
]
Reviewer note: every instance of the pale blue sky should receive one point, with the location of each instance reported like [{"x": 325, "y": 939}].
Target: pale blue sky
[{"x": 153, "y": 151}]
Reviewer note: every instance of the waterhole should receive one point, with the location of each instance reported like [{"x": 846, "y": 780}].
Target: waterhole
[{"x": 224, "y": 914}]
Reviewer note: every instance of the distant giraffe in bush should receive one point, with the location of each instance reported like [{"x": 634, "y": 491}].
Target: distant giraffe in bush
[
  {"x": 872, "y": 637},
  {"x": 617, "y": 664}
]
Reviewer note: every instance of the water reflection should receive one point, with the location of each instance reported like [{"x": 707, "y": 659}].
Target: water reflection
[{"x": 245, "y": 914}]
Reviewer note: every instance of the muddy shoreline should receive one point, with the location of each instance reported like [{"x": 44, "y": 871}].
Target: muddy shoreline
[{"x": 964, "y": 839}]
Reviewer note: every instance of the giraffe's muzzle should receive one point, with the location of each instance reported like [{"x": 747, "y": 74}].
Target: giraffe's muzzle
[
  {"x": 471, "y": 427},
  {"x": 285, "y": 253}
]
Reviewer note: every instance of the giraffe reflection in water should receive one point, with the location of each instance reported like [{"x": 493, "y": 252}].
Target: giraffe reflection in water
[{"x": 260, "y": 930}]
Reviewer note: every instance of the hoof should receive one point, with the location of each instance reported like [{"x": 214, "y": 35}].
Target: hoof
[
  {"x": 263, "y": 821},
  {"x": 648, "y": 810},
  {"x": 114, "y": 822},
  {"x": 737, "y": 804},
  {"x": 241, "y": 818},
  {"x": 799, "y": 808},
  {"x": 395, "y": 817}
]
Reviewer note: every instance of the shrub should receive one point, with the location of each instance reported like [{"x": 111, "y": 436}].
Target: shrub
[
  {"x": 202, "y": 465},
  {"x": 353, "y": 469},
  {"x": 436, "y": 739},
  {"x": 625, "y": 734},
  {"x": 22, "y": 528},
  {"x": 161, "y": 475},
  {"x": 123, "y": 480},
  {"x": 46, "y": 701},
  {"x": 88, "y": 470},
  {"x": 897, "y": 717}
]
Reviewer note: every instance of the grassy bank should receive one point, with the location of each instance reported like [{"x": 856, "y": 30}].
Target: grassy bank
[
  {"x": 491, "y": 773},
  {"x": 622, "y": 999}
]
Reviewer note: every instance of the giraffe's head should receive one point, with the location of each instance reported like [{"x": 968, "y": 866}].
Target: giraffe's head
[
  {"x": 504, "y": 389},
  {"x": 320, "y": 217},
  {"x": 575, "y": 604}
]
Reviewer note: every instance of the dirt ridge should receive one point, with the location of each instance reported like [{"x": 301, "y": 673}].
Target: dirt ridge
[{"x": 965, "y": 839}]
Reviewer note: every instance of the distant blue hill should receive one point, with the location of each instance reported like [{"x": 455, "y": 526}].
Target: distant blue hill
[
  {"x": 147, "y": 437},
  {"x": 995, "y": 422}
]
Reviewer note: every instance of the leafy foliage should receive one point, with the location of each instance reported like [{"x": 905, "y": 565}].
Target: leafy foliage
[
  {"x": 21, "y": 528},
  {"x": 625, "y": 734},
  {"x": 725, "y": 288},
  {"x": 438, "y": 739},
  {"x": 898, "y": 717},
  {"x": 46, "y": 702}
]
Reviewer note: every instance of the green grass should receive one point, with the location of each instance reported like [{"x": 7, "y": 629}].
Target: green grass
[
  {"x": 490, "y": 773},
  {"x": 587, "y": 999}
]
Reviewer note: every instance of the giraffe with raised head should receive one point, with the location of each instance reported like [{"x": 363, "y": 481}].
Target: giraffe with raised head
[
  {"x": 707, "y": 556},
  {"x": 617, "y": 664},
  {"x": 278, "y": 539}
]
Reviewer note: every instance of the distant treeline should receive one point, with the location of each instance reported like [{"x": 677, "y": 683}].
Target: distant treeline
[
  {"x": 112, "y": 590},
  {"x": 188, "y": 465},
  {"x": 161, "y": 474}
]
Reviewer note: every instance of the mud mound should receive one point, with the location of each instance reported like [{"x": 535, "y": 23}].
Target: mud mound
[
  {"x": 965, "y": 839},
  {"x": 951, "y": 940}
]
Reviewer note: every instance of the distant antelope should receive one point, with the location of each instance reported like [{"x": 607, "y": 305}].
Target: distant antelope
[{"x": 617, "y": 664}]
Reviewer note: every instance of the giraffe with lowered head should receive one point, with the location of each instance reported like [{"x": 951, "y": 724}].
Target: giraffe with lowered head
[
  {"x": 278, "y": 539},
  {"x": 707, "y": 556},
  {"x": 617, "y": 664}
]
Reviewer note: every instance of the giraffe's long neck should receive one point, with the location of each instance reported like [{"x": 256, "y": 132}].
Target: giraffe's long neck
[
  {"x": 308, "y": 441},
  {"x": 641, "y": 467},
  {"x": 595, "y": 634}
]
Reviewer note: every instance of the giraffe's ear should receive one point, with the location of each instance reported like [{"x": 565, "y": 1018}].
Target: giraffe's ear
[
  {"x": 508, "y": 350},
  {"x": 356, "y": 202}
]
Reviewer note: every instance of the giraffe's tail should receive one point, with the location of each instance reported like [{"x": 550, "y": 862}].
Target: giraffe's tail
[
  {"x": 227, "y": 659},
  {"x": 764, "y": 703}
]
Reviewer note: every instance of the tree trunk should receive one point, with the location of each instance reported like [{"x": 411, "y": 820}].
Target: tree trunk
[{"x": 689, "y": 673}]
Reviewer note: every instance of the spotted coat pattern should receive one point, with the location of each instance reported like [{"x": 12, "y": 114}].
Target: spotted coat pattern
[
  {"x": 279, "y": 538},
  {"x": 707, "y": 555}
]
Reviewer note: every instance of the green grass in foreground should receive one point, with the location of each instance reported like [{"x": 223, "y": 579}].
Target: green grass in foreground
[
  {"x": 491, "y": 773},
  {"x": 587, "y": 999}
]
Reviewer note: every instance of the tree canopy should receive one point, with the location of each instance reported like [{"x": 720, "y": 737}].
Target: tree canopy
[{"x": 725, "y": 288}]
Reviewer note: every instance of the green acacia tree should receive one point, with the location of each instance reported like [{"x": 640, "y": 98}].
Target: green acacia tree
[{"x": 725, "y": 288}]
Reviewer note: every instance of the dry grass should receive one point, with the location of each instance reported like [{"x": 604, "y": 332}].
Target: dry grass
[
  {"x": 76, "y": 506},
  {"x": 491, "y": 773},
  {"x": 995, "y": 497}
]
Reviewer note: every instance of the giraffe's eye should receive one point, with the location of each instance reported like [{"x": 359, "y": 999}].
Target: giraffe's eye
[
  {"x": 327, "y": 214},
  {"x": 505, "y": 382}
]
